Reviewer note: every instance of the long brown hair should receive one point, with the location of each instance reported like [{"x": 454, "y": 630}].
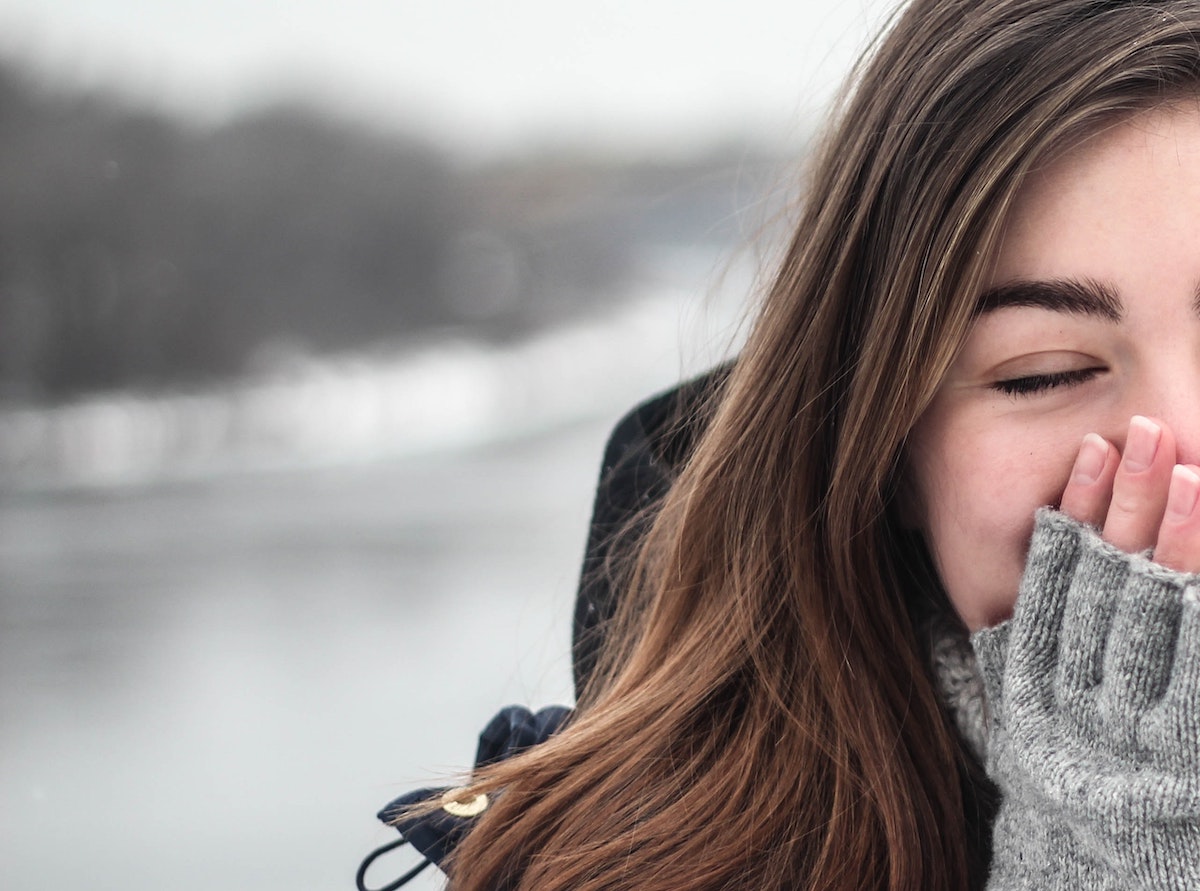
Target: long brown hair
[{"x": 764, "y": 716}]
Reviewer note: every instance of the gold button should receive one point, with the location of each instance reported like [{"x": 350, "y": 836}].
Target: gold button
[{"x": 454, "y": 804}]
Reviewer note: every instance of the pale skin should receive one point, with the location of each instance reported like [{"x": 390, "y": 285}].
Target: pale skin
[{"x": 1079, "y": 385}]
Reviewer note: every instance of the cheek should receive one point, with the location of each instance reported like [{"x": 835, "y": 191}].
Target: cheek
[
  {"x": 977, "y": 493},
  {"x": 1021, "y": 474}
]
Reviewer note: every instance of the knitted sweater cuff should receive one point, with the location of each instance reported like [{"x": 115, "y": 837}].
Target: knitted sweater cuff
[{"x": 1093, "y": 694}]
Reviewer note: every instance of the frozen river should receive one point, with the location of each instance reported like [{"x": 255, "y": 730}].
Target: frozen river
[
  {"x": 234, "y": 625},
  {"x": 216, "y": 684}
]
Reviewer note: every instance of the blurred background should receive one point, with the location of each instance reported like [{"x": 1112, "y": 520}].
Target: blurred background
[{"x": 313, "y": 320}]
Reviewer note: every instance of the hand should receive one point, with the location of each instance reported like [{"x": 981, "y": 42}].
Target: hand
[
  {"x": 1140, "y": 499},
  {"x": 1093, "y": 698}
]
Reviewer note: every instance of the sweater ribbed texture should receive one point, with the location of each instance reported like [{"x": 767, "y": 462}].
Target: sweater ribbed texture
[{"x": 1093, "y": 719}]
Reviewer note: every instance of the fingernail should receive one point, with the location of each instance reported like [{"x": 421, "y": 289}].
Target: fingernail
[
  {"x": 1089, "y": 464},
  {"x": 1181, "y": 497},
  {"x": 1141, "y": 444}
]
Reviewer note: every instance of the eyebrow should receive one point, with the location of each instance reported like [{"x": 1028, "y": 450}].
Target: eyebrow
[{"x": 1084, "y": 297}]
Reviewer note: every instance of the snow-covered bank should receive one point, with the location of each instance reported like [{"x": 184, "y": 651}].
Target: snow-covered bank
[{"x": 444, "y": 395}]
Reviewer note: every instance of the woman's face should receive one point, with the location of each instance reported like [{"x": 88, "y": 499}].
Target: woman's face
[{"x": 1092, "y": 316}]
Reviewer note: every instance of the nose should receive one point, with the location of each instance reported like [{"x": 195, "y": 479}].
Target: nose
[{"x": 1173, "y": 400}]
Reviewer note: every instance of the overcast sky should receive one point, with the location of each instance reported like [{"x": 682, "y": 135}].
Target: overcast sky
[{"x": 490, "y": 74}]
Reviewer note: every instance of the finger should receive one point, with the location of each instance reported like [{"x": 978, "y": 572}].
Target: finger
[
  {"x": 1087, "y": 619},
  {"x": 1140, "y": 653},
  {"x": 1140, "y": 486},
  {"x": 1164, "y": 727},
  {"x": 1178, "y": 543},
  {"x": 1089, "y": 489}
]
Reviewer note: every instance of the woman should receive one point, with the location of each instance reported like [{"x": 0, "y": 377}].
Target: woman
[{"x": 997, "y": 257}]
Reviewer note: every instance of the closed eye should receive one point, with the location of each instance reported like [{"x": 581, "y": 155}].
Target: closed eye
[{"x": 1031, "y": 384}]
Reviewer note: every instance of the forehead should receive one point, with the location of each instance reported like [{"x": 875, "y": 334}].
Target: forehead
[{"x": 1138, "y": 175}]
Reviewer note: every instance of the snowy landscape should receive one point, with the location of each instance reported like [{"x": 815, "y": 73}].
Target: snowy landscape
[
  {"x": 302, "y": 405},
  {"x": 238, "y": 622}
]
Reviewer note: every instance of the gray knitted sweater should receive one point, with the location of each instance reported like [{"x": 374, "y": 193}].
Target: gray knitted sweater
[{"x": 1085, "y": 709}]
